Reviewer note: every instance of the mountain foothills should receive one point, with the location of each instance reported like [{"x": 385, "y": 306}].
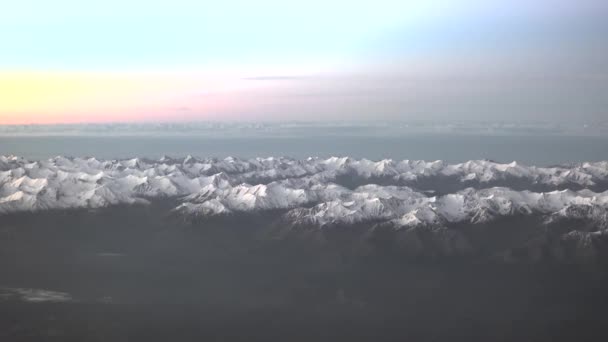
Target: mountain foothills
[{"x": 421, "y": 208}]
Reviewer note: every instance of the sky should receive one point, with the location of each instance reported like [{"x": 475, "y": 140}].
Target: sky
[{"x": 186, "y": 60}]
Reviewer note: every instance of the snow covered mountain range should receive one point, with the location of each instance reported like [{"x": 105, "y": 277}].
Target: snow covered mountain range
[
  {"x": 314, "y": 191},
  {"x": 426, "y": 208}
]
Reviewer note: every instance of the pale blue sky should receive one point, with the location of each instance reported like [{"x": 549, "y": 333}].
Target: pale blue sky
[
  {"x": 509, "y": 52},
  {"x": 125, "y": 34}
]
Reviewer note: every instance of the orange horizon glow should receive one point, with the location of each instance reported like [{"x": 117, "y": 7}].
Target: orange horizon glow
[{"x": 73, "y": 97}]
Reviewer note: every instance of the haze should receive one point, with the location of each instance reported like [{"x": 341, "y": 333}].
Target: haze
[{"x": 69, "y": 61}]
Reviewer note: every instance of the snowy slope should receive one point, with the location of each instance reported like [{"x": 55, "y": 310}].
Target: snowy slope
[{"x": 312, "y": 191}]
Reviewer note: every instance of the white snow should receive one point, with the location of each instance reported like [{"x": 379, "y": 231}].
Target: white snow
[{"x": 306, "y": 190}]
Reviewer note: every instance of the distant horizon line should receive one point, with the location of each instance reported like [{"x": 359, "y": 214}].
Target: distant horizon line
[{"x": 291, "y": 121}]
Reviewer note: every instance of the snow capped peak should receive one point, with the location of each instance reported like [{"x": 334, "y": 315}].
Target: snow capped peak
[
  {"x": 425, "y": 205},
  {"x": 317, "y": 191},
  {"x": 166, "y": 159},
  {"x": 189, "y": 160},
  {"x": 425, "y": 215}
]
